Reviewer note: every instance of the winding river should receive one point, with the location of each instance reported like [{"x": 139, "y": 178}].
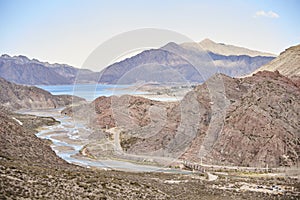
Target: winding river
[{"x": 69, "y": 137}]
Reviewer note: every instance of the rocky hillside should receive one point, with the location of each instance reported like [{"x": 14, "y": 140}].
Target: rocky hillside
[
  {"x": 262, "y": 126},
  {"x": 29, "y": 169},
  {"x": 16, "y": 96},
  {"x": 127, "y": 111},
  {"x": 20, "y": 69},
  {"x": 180, "y": 63},
  {"x": 287, "y": 63},
  {"x": 249, "y": 121},
  {"x": 17, "y": 136}
]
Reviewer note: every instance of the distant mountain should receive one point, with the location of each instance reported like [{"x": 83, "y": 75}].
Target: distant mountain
[
  {"x": 14, "y": 97},
  {"x": 180, "y": 63},
  {"x": 172, "y": 63},
  {"x": 287, "y": 63},
  {"x": 22, "y": 70},
  {"x": 225, "y": 49},
  {"x": 231, "y": 65},
  {"x": 155, "y": 65}
]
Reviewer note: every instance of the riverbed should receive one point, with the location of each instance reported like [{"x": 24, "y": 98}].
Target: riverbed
[{"x": 69, "y": 137}]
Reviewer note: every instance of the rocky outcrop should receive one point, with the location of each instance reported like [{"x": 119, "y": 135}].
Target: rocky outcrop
[
  {"x": 262, "y": 127},
  {"x": 124, "y": 111},
  {"x": 15, "y": 97},
  {"x": 287, "y": 63}
]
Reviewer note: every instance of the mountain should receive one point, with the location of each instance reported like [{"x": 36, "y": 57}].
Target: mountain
[
  {"x": 172, "y": 63},
  {"x": 253, "y": 122},
  {"x": 155, "y": 65},
  {"x": 14, "y": 96},
  {"x": 179, "y": 63},
  {"x": 22, "y": 70},
  {"x": 231, "y": 65},
  {"x": 287, "y": 63},
  {"x": 224, "y": 49},
  {"x": 261, "y": 126}
]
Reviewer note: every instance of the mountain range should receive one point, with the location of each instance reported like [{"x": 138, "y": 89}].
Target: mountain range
[
  {"x": 22, "y": 70},
  {"x": 187, "y": 62}
]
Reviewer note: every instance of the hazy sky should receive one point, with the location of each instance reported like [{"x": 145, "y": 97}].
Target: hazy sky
[{"x": 67, "y": 31}]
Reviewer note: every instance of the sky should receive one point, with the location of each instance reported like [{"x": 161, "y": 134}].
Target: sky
[{"x": 68, "y": 31}]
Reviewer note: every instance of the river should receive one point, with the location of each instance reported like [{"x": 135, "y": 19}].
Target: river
[{"x": 69, "y": 137}]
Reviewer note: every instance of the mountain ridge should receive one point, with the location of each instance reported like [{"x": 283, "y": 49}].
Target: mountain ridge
[
  {"x": 225, "y": 49},
  {"x": 22, "y": 70},
  {"x": 169, "y": 64},
  {"x": 188, "y": 65}
]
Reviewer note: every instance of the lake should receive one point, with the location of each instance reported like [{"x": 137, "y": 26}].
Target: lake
[{"x": 91, "y": 91}]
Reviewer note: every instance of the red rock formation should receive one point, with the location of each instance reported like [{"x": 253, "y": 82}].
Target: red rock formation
[{"x": 251, "y": 121}]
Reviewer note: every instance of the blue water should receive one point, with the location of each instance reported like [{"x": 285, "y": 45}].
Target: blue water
[{"x": 91, "y": 91}]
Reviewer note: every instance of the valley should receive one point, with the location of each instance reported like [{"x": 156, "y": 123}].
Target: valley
[
  {"x": 149, "y": 100},
  {"x": 221, "y": 138}
]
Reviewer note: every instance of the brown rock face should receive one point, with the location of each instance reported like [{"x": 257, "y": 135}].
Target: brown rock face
[{"x": 262, "y": 127}]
